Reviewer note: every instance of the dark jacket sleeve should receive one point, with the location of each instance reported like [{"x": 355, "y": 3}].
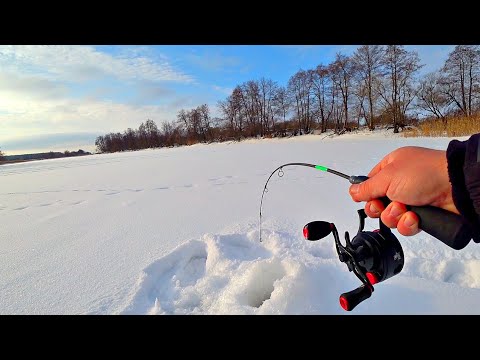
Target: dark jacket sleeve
[{"x": 463, "y": 158}]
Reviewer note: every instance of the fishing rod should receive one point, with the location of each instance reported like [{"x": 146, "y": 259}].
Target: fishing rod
[
  {"x": 352, "y": 179},
  {"x": 374, "y": 256}
]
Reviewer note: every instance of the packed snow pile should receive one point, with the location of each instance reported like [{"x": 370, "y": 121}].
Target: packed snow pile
[{"x": 236, "y": 274}]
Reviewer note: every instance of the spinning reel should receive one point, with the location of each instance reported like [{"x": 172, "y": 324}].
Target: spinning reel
[{"x": 373, "y": 256}]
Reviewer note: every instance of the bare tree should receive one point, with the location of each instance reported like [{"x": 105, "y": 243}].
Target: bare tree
[
  {"x": 2, "y": 156},
  {"x": 432, "y": 96},
  {"x": 197, "y": 123},
  {"x": 322, "y": 85},
  {"x": 397, "y": 90},
  {"x": 167, "y": 132},
  {"x": 171, "y": 133},
  {"x": 282, "y": 103},
  {"x": 359, "y": 92},
  {"x": 344, "y": 69},
  {"x": 335, "y": 100},
  {"x": 239, "y": 112},
  {"x": 368, "y": 61},
  {"x": 100, "y": 144},
  {"x": 142, "y": 136},
  {"x": 234, "y": 113},
  {"x": 267, "y": 92},
  {"x": 205, "y": 126},
  {"x": 130, "y": 139},
  {"x": 299, "y": 87},
  {"x": 152, "y": 133},
  {"x": 183, "y": 123},
  {"x": 249, "y": 96},
  {"x": 112, "y": 142},
  {"x": 462, "y": 70}
]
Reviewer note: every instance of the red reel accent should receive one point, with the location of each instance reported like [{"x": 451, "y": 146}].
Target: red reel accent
[
  {"x": 305, "y": 232},
  {"x": 344, "y": 303},
  {"x": 372, "y": 277}
]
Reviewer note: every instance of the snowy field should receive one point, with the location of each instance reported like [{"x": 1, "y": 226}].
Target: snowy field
[{"x": 176, "y": 231}]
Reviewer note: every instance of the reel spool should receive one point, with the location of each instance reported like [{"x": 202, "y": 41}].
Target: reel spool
[{"x": 373, "y": 256}]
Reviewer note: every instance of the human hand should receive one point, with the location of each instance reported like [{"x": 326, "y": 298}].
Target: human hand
[{"x": 409, "y": 175}]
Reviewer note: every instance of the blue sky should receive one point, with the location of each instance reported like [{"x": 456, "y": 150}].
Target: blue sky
[{"x": 61, "y": 97}]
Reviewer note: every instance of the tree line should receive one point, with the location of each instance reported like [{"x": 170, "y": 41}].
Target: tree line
[
  {"x": 48, "y": 155},
  {"x": 41, "y": 156},
  {"x": 377, "y": 85}
]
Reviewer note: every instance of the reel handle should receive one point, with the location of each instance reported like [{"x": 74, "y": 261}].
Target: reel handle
[{"x": 349, "y": 300}]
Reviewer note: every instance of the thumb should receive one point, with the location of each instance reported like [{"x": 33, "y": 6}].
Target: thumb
[{"x": 370, "y": 189}]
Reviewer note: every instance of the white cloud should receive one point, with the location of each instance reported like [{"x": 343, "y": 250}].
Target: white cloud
[
  {"x": 222, "y": 89},
  {"x": 38, "y": 123},
  {"x": 78, "y": 63},
  {"x": 30, "y": 86},
  {"x": 34, "y": 117},
  {"x": 68, "y": 115},
  {"x": 48, "y": 90}
]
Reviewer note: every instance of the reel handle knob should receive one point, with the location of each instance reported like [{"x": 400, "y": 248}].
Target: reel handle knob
[
  {"x": 317, "y": 230},
  {"x": 349, "y": 300}
]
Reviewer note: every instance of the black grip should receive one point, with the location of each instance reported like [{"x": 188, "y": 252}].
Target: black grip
[
  {"x": 448, "y": 227},
  {"x": 351, "y": 299}
]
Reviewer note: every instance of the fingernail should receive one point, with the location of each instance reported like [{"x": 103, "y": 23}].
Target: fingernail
[
  {"x": 354, "y": 189},
  {"x": 409, "y": 222},
  {"x": 373, "y": 209},
  {"x": 395, "y": 212}
]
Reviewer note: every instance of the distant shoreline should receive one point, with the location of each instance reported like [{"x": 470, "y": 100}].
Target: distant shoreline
[{"x": 12, "y": 159}]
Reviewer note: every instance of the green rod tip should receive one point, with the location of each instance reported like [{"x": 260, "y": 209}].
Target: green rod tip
[{"x": 320, "y": 167}]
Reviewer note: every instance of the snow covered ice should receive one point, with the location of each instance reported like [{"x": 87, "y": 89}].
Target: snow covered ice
[{"x": 176, "y": 231}]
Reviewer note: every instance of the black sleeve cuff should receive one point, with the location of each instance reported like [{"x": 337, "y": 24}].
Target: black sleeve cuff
[{"x": 464, "y": 174}]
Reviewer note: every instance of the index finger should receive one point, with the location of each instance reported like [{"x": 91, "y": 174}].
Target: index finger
[{"x": 376, "y": 169}]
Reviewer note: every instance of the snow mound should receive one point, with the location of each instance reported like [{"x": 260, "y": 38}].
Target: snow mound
[
  {"x": 237, "y": 274},
  {"x": 284, "y": 274}
]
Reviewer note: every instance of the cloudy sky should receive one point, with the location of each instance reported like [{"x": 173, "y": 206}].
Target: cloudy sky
[{"x": 62, "y": 97}]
